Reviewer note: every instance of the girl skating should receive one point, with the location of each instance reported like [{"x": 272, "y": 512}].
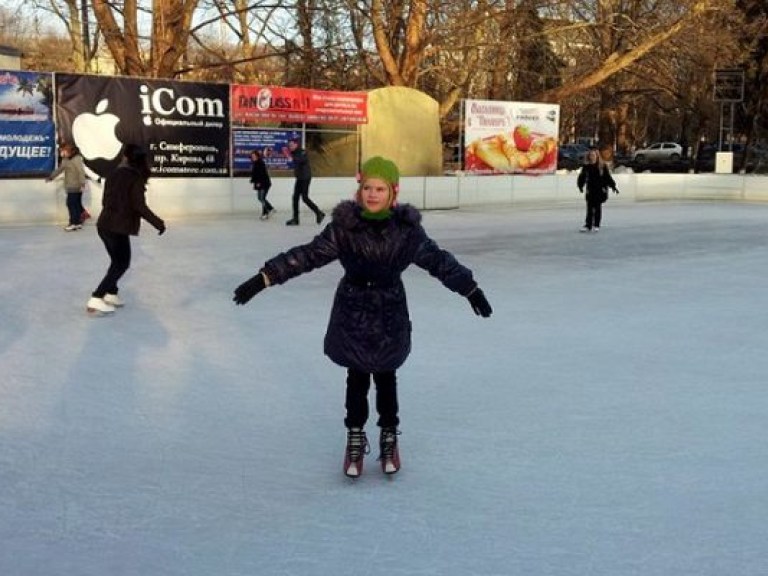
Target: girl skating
[{"x": 369, "y": 331}]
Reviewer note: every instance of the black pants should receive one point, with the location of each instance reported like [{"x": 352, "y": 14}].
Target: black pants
[
  {"x": 261, "y": 194},
  {"x": 119, "y": 249},
  {"x": 301, "y": 191},
  {"x": 358, "y": 384},
  {"x": 75, "y": 206},
  {"x": 594, "y": 211}
]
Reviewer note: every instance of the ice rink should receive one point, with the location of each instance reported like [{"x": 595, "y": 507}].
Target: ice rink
[{"x": 609, "y": 419}]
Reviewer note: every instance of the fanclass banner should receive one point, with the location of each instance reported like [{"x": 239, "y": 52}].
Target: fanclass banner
[
  {"x": 510, "y": 137},
  {"x": 279, "y": 104},
  {"x": 184, "y": 125},
  {"x": 27, "y": 134}
]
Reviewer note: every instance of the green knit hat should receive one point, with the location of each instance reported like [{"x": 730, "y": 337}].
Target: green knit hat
[{"x": 378, "y": 167}]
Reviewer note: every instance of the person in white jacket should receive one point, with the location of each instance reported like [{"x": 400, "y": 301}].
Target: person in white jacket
[{"x": 74, "y": 180}]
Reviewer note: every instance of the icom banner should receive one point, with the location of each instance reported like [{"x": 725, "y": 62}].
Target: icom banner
[
  {"x": 279, "y": 104},
  {"x": 27, "y": 145},
  {"x": 184, "y": 125},
  {"x": 510, "y": 137}
]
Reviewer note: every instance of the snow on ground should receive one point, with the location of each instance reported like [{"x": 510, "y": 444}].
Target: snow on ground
[{"x": 608, "y": 420}]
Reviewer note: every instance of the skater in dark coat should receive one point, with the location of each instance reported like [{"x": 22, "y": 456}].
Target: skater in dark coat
[
  {"x": 123, "y": 208},
  {"x": 369, "y": 331},
  {"x": 302, "y": 170},
  {"x": 261, "y": 183},
  {"x": 597, "y": 178}
]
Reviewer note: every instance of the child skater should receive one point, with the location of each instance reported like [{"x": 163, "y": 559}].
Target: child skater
[
  {"x": 123, "y": 207},
  {"x": 74, "y": 181},
  {"x": 369, "y": 331},
  {"x": 596, "y": 176},
  {"x": 261, "y": 183}
]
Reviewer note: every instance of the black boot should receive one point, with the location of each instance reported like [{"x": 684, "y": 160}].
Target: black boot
[
  {"x": 357, "y": 448},
  {"x": 389, "y": 454}
]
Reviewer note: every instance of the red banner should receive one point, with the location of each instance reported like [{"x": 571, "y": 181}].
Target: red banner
[{"x": 279, "y": 104}]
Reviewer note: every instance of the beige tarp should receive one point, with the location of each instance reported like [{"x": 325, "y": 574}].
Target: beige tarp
[{"x": 403, "y": 125}]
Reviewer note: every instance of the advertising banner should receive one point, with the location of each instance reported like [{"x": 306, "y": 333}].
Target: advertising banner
[
  {"x": 278, "y": 104},
  {"x": 510, "y": 137},
  {"x": 184, "y": 125},
  {"x": 27, "y": 135},
  {"x": 273, "y": 145}
]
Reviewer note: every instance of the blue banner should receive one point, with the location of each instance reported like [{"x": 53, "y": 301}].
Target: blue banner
[
  {"x": 27, "y": 134},
  {"x": 273, "y": 145}
]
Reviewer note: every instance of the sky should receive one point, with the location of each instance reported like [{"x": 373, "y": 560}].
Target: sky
[{"x": 608, "y": 419}]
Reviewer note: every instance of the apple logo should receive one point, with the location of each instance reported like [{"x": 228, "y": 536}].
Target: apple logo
[{"x": 94, "y": 134}]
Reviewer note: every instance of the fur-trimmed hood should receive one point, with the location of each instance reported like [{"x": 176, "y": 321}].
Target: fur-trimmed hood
[{"x": 348, "y": 214}]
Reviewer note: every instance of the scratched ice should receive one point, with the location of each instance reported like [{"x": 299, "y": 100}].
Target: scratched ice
[{"x": 610, "y": 419}]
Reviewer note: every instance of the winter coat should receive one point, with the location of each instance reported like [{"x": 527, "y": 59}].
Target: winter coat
[
  {"x": 260, "y": 175},
  {"x": 123, "y": 203},
  {"x": 74, "y": 173},
  {"x": 369, "y": 327},
  {"x": 597, "y": 181},
  {"x": 301, "y": 168}
]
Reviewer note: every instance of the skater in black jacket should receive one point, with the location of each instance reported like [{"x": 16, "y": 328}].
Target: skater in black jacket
[
  {"x": 123, "y": 208},
  {"x": 303, "y": 172},
  {"x": 369, "y": 331},
  {"x": 597, "y": 178},
  {"x": 261, "y": 183}
]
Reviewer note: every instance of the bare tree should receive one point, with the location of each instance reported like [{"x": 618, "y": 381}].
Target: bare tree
[{"x": 137, "y": 53}]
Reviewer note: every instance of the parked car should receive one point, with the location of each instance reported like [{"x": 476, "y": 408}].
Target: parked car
[
  {"x": 577, "y": 151},
  {"x": 756, "y": 157},
  {"x": 659, "y": 152},
  {"x": 567, "y": 159}
]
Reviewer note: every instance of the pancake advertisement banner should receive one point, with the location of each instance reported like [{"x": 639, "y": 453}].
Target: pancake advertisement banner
[{"x": 510, "y": 137}]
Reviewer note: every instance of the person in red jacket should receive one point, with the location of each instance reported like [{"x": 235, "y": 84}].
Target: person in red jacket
[
  {"x": 369, "y": 331},
  {"x": 123, "y": 207}
]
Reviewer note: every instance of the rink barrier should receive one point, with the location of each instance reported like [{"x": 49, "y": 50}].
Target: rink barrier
[{"x": 35, "y": 201}]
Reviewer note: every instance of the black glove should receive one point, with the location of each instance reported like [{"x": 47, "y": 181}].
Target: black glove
[
  {"x": 581, "y": 190},
  {"x": 479, "y": 304},
  {"x": 249, "y": 289},
  {"x": 615, "y": 190},
  {"x": 161, "y": 229}
]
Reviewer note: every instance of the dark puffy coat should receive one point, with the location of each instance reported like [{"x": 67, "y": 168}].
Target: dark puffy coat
[
  {"x": 123, "y": 203},
  {"x": 260, "y": 175},
  {"x": 301, "y": 167},
  {"x": 597, "y": 181},
  {"x": 370, "y": 328}
]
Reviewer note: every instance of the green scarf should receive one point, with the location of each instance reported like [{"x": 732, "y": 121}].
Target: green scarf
[{"x": 382, "y": 215}]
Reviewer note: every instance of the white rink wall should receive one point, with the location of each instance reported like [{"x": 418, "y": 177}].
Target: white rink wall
[{"x": 30, "y": 201}]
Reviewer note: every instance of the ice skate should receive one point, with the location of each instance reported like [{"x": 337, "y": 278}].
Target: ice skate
[
  {"x": 357, "y": 448},
  {"x": 113, "y": 300},
  {"x": 389, "y": 455},
  {"x": 98, "y": 307}
]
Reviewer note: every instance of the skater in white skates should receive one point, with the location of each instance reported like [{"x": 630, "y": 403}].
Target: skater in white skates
[
  {"x": 123, "y": 207},
  {"x": 369, "y": 332}
]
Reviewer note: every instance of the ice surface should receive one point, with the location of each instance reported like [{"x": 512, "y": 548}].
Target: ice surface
[{"x": 610, "y": 418}]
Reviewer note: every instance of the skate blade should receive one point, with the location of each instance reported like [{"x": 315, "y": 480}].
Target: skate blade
[
  {"x": 93, "y": 313},
  {"x": 353, "y": 471},
  {"x": 389, "y": 468}
]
